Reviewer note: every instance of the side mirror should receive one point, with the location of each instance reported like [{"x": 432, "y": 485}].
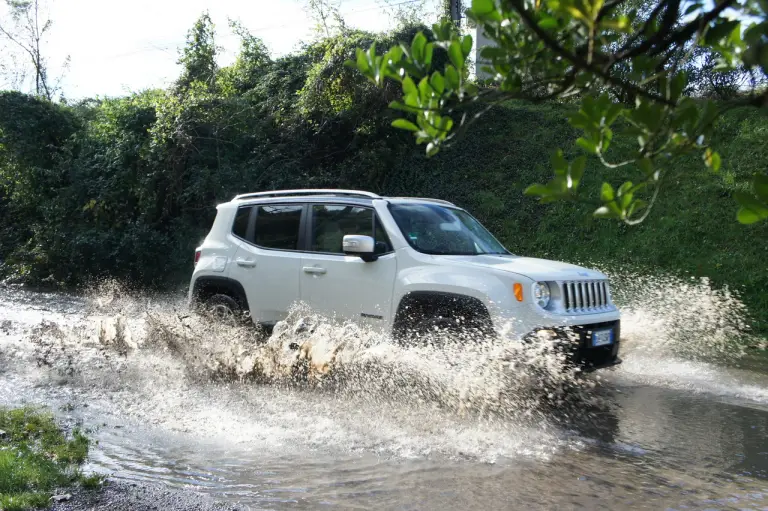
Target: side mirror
[{"x": 355, "y": 244}]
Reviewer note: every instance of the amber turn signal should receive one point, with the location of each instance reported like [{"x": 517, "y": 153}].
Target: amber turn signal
[{"x": 518, "y": 291}]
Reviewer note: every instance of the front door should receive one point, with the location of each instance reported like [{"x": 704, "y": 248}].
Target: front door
[
  {"x": 345, "y": 287},
  {"x": 268, "y": 262}
]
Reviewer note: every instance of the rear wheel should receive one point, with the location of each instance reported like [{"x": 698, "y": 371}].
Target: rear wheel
[{"x": 223, "y": 308}]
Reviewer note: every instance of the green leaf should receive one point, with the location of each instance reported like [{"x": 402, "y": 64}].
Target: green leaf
[
  {"x": 677, "y": 84},
  {"x": 558, "y": 161},
  {"x": 409, "y": 87},
  {"x": 537, "y": 190},
  {"x": 548, "y": 22},
  {"x": 425, "y": 89},
  {"x": 646, "y": 165},
  {"x": 483, "y": 6},
  {"x": 579, "y": 120},
  {"x": 721, "y": 30},
  {"x": 456, "y": 55},
  {"x": 636, "y": 206},
  {"x": 452, "y": 77},
  {"x": 589, "y": 108},
  {"x": 606, "y": 193},
  {"x": 692, "y": 8},
  {"x": 712, "y": 159},
  {"x": 493, "y": 53},
  {"x": 603, "y": 212},
  {"x": 437, "y": 82},
  {"x": 432, "y": 149},
  {"x": 362, "y": 61},
  {"x": 626, "y": 200},
  {"x": 588, "y": 145},
  {"x": 624, "y": 188},
  {"x": 752, "y": 210},
  {"x": 417, "y": 47},
  {"x": 404, "y": 124},
  {"x": 445, "y": 124},
  {"x": 466, "y": 45},
  {"x": 428, "y": 50},
  {"x": 576, "y": 172},
  {"x": 396, "y": 105}
]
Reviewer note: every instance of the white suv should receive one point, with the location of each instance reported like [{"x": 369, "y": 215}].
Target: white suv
[{"x": 401, "y": 265}]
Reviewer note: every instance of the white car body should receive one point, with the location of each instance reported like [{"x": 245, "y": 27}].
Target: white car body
[{"x": 347, "y": 287}]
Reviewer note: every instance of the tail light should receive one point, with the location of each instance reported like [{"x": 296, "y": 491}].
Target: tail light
[{"x": 197, "y": 256}]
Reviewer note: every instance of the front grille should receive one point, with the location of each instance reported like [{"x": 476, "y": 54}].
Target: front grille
[{"x": 586, "y": 296}]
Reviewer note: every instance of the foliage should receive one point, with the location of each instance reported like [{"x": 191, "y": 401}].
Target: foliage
[
  {"x": 125, "y": 187},
  {"x": 252, "y": 61},
  {"x": 198, "y": 57},
  {"x": 36, "y": 457},
  {"x": 602, "y": 52}
]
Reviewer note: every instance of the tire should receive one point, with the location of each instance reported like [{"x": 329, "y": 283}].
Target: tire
[
  {"x": 223, "y": 308},
  {"x": 438, "y": 329},
  {"x": 440, "y": 317}
]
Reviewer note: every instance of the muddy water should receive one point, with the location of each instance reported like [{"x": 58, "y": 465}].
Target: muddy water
[{"x": 350, "y": 421}]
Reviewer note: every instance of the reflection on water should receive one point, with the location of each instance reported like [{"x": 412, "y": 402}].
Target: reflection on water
[{"x": 352, "y": 421}]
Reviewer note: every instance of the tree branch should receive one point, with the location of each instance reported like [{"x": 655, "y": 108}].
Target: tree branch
[
  {"x": 658, "y": 43},
  {"x": 583, "y": 64}
]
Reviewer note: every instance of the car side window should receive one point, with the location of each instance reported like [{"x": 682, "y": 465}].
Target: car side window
[
  {"x": 277, "y": 226},
  {"x": 331, "y": 222},
  {"x": 240, "y": 225}
]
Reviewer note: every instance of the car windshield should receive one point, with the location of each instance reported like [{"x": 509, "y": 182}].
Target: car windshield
[{"x": 435, "y": 229}]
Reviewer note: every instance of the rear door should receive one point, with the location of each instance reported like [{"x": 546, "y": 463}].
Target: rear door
[
  {"x": 268, "y": 259},
  {"x": 341, "y": 286}
]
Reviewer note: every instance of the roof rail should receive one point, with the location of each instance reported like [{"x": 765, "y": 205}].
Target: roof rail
[
  {"x": 318, "y": 191},
  {"x": 438, "y": 201}
]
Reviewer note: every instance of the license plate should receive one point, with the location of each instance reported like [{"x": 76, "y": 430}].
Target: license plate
[{"x": 602, "y": 337}]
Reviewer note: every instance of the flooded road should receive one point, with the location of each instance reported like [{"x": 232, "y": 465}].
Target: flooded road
[{"x": 350, "y": 421}]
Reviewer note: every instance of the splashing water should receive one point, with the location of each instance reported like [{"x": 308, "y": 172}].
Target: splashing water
[
  {"x": 485, "y": 378},
  {"x": 666, "y": 316}
]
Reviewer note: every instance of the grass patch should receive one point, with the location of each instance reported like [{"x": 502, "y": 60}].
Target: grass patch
[{"x": 36, "y": 457}]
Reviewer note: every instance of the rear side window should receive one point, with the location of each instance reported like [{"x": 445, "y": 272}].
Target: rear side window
[
  {"x": 278, "y": 227},
  {"x": 240, "y": 226}
]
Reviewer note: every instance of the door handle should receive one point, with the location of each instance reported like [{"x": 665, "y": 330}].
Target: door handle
[
  {"x": 314, "y": 270},
  {"x": 246, "y": 263}
]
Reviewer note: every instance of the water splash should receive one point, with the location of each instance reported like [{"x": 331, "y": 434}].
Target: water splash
[
  {"x": 488, "y": 377},
  {"x": 668, "y": 316}
]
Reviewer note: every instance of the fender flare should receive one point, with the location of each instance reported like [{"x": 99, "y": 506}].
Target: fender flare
[
  {"x": 207, "y": 286},
  {"x": 440, "y": 301}
]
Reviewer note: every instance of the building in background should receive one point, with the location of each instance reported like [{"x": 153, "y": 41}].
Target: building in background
[{"x": 480, "y": 42}]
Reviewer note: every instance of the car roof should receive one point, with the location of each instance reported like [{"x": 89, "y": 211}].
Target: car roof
[{"x": 324, "y": 195}]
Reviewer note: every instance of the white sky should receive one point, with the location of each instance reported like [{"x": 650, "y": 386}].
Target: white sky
[{"x": 118, "y": 47}]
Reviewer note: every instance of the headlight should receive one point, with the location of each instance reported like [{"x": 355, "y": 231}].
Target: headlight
[{"x": 541, "y": 294}]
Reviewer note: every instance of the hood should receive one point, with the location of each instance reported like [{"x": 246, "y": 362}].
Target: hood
[{"x": 534, "y": 268}]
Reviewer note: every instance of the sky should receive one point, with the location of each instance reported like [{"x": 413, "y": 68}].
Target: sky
[{"x": 119, "y": 47}]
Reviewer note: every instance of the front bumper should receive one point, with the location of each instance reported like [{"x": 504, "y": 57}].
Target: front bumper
[{"x": 577, "y": 342}]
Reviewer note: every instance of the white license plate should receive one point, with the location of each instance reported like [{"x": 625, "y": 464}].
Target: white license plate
[{"x": 602, "y": 337}]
